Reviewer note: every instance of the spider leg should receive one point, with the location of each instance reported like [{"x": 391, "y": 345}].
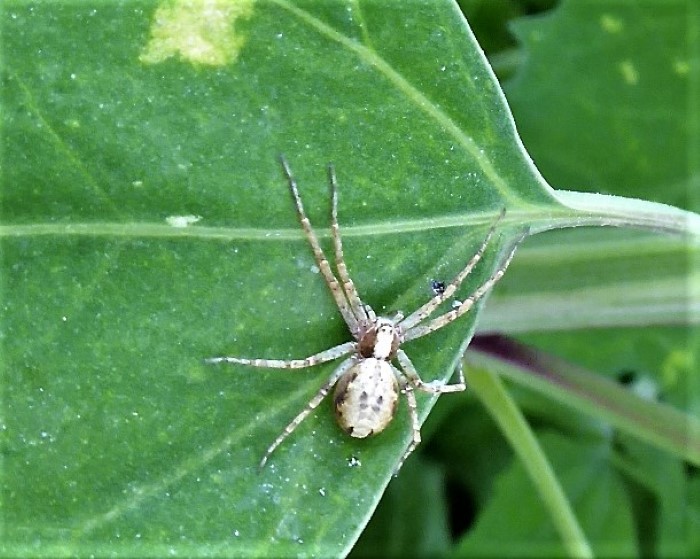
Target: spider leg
[
  {"x": 415, "y": 424},
  {"x": 358, "y": 307},
  {"x": 322, "y": 357},
  {"x": 409, "y": 381},
  {"x": 428, "y": 308},
  {"x": 434, "y": 387},
  {"x": 467, "y": 304},
  {"x": 332, "y": 282},
  {"x": 311, "y": 406}
]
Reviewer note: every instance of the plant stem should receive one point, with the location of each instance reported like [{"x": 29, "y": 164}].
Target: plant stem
[{"x": 490, "y": 390}]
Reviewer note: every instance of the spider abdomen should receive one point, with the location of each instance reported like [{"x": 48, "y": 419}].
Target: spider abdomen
[{"x": 366, "y": 398}]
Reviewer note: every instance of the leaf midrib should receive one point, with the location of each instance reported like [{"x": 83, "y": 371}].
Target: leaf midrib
[{"x": 550, "y": 218}]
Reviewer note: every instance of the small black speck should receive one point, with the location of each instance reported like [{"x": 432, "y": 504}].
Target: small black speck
[{"x": 438, "y": 287}]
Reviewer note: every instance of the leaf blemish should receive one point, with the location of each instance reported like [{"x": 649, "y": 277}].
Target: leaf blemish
[
  {"x": 199, "y": 31},
  {"x": 629, "y": 72},
  {"x": 681, "y": 67},
  {"x": 611, "y": 24},
  {"x": 182, "y": 220}
]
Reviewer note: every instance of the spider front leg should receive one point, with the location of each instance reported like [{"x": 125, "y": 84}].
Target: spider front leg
[
  {"x": 336, "y": 290},
  {"x": 358, "y": 307}
]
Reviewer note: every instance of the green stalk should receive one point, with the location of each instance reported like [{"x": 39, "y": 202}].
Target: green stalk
[{"x": 490, "y": 390}]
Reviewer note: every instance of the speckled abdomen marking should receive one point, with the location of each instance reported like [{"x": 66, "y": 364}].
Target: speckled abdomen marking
[{"x": 366, "y": 398}]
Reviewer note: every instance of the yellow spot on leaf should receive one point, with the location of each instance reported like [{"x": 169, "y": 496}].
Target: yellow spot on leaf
[
  {"x": 677, "y": 367},
  {"x": 199, "y": 31},
  {"x": 629, "y": 72},
  {"x": 681, "y": 67},
  {"x": 611, "y": 24}
]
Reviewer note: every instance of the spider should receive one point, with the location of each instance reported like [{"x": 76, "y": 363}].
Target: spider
[{"x": 369, "y": 381}]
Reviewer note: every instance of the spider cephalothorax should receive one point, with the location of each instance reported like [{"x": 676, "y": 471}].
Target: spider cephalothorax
[
  {"x": 380, "y": 339},
  {"x": 367, "y": 383}
]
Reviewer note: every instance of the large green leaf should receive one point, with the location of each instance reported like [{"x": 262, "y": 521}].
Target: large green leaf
[
  {"x": 146, "y": 225},
  {"x": 632, "y": 73}
]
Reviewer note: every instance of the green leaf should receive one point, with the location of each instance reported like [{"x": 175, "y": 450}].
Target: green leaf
[
  {"x": 146, "y": 226},
  {"x": 522, "y": 527},
  {"x": 133, "y": 445},
  {"x": 619, "y": 115}
]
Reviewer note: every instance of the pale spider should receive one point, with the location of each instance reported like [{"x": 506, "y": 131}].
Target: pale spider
[{"x": 367, "y": 383}]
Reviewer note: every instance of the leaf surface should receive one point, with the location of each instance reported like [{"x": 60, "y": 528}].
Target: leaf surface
[{"x": 146, "y": 226}]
